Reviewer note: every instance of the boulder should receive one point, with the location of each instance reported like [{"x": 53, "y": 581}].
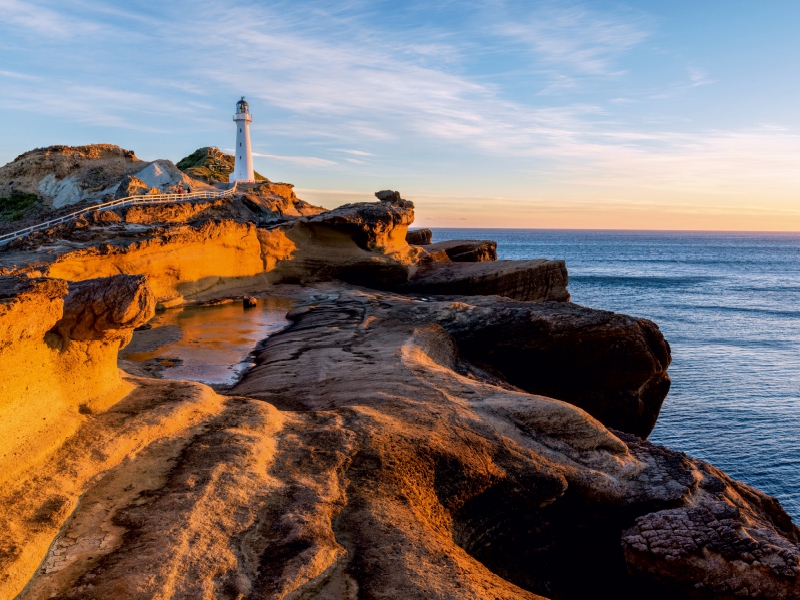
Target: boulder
[
  {"x": 132, "y": 186},
  {"x": 419, "y": 237},
  {"x": 106, "y": 308},
  {"x": 465, "y": 250}
]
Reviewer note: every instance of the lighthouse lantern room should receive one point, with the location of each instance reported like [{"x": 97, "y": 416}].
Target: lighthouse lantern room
[{"x": 243, "y": 164}]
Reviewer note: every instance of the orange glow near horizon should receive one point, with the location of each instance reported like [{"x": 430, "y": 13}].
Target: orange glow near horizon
[{"x": 691, "y": 214}]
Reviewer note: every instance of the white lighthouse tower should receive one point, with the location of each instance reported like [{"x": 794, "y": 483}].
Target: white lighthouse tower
[{"x": 243, "y": 165}]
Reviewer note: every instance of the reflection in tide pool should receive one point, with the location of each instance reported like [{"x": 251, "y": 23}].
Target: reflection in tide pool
[{"x": 208, "y": 343}]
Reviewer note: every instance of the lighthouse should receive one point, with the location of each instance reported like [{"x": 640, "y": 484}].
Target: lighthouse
[{"x": 243, "y": 165}]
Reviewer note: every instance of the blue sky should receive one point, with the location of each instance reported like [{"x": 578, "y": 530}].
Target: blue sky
[{"x": 655, "y": 115}]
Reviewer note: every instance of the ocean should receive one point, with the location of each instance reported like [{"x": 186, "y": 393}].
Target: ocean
[{"x": 729, "y": 305}]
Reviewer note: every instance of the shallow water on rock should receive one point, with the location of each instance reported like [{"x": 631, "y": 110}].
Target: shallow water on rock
[
  {"x": 729, "y": 305},
  {"x": 210, "y": 344}
]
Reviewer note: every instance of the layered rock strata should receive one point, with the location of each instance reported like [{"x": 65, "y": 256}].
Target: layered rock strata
[{"x": 537, "y": 280}]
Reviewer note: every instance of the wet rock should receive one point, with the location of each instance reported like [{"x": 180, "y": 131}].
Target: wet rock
[{"x": 249, "y": 302}]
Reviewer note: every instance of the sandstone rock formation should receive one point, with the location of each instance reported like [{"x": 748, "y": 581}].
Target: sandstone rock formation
[
  {"x": 435, "y": 480},
  {"x": 419, "y": 237},
  {"x": 58, "y": 357},
  {"x": 465, "y": 250},
  {"x": 613, "y": 366},
  {"x": 270, "y": 236}
]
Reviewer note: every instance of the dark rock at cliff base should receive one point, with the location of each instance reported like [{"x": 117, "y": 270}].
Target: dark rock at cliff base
[
  {"x": 465, "y": 250},
  {"x": 534, "y": 280},
  {"x": 612, "y": 366},
  {"x": 419, "y": 237}
]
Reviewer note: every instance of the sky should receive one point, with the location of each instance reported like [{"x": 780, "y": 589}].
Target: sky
[{"x": 495, "y": 113}]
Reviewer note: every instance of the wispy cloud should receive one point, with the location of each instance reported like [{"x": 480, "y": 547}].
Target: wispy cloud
[
  {"x": 355, "y": 152},
  {"x": 576, "y": 36},
  {"x": 14, "y": 75},
  {"x": 308, "y": 161},
  {"x": 38, "y": 18}
]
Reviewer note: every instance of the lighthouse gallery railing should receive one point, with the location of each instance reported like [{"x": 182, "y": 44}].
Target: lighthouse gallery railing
[{"x": 148, "y": 199}]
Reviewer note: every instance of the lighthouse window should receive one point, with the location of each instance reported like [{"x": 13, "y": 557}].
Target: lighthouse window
[
  {"x": 240, "y": 143},
  {"x": 240, "y": 130}
]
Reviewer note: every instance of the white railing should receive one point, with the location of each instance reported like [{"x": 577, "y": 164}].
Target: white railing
[{"x": 149, "y": 199}]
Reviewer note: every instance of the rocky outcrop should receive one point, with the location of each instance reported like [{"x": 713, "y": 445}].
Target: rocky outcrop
[
  {"x": 419, "y": 237},
  {"x": 612, "y": 366},
  {"x": 473, "y": 439},
  {"x": 58, "y": 358},
  {"x": 61, "y": 177},
  {"x": 447, "y": 459},
  {"x": 535, "y": 280},
  {"x": 105, "y": 309},
  {"x": 274, "y": 202},
  {"x": 133, "y": 186},
  {"x": 211, "y": 165},
  {"x": 465, "y": 250},
  {"x": 269, "y": 234},
  {"x": 65, "y": 175}
]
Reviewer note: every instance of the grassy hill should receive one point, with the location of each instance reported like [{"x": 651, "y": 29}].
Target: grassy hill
[{"x": 210, "y": 165}]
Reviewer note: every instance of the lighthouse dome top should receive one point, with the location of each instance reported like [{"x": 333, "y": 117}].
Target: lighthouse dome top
[{"x": 242, "y": 106}]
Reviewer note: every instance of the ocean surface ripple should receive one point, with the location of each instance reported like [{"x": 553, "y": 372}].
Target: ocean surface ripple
[{"x": 729, "y": 305}]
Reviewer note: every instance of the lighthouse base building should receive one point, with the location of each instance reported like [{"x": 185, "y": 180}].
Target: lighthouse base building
[{"x": 243, "y": 164}]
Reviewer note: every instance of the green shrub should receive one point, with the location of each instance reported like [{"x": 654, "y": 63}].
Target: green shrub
[{"x": 16, "y": 205}]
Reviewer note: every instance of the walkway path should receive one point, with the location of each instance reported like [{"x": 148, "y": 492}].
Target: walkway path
[{"x": 150, "y": 199}]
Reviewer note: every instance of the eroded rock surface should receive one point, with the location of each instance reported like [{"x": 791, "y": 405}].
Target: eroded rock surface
[
  {"x": 613, "y": 366},
  {"x": 529, "y": 486},
  {"x": 100, "y": 309},
  {"x": 191, "y": 250}
]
